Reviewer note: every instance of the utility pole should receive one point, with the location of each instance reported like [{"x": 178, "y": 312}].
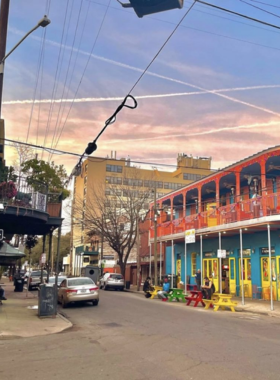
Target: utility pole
[
  {"x": 155, "y": 234},
  {"x": 4, "y": 16},
  {"x": 138, "y": 253},
  {"x": 102, "y": 245}
]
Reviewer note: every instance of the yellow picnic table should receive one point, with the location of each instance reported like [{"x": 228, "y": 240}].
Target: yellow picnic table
[
  {"x": 222, "y": 301},
  {"x": 154, "y": 291}
]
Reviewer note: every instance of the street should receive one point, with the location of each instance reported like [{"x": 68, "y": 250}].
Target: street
[{"x": 129, "y": 337}]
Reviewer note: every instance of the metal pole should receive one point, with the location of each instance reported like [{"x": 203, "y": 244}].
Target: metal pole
[
  {"x": 150, "y": 266},
  {"x": 160, "y": 260},
  {"x": 172, "y": 262},
  {"x": 138, "y": 254},
  {"x": 185, "y": 267},
  {"x": 270, "y": 268},
  {"x": 44, "y": 248},
  {"x": 220, "y": 264},
  {"x": 155, "y": 236},
  {"x": 4, "y": 16},
  {"x": 49, "y": 255},
  {"x": 241, "y": 267},
  {"x": 201, "y": 258},
  {"x": 102, "y": 246}
]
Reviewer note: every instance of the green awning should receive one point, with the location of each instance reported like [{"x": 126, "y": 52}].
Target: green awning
[{"x": 9, "y": 255}]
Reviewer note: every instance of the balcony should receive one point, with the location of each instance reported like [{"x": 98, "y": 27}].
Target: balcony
[{"x": 249, "y": 210}]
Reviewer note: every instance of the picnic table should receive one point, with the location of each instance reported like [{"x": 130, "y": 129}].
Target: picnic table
[
  {"x": 176, "y": 294},
  {"x": 196, "y": 297},
  {"x": 220, "y": 301},
  {"x": 154, "y": 291}
]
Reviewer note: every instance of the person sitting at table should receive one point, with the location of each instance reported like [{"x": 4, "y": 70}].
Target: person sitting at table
[
  {"x": 147, "y": 287},
  {"x": 2, "y": 294},
  {"x": 165, "y": 289},
  {"x": 208, "y": 288}
]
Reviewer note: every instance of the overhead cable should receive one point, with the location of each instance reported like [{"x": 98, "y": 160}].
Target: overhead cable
[{"x": 259, "y": 8}]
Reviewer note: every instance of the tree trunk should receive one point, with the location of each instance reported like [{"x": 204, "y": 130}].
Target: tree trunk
[{"x": 122, "y": 266}]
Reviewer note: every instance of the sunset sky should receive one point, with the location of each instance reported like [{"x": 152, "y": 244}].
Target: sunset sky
[{"x": 213, "y": 91}]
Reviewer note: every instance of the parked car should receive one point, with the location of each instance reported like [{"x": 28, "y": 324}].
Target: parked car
[
  {"x": 112, "y": 281},
  {"x": 59, "y": 280},
  {"x": 34, "y": 279},
  {"x": 77, "y": 289}
]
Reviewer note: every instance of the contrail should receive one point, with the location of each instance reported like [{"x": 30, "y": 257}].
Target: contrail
[
  {"x": 120, "y": 64},
  {"x": 85, "y": 100},
  {"x": 211, "y": 131}
]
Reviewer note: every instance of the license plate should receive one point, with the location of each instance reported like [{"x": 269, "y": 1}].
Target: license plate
[{"x": 83, "y": 291}]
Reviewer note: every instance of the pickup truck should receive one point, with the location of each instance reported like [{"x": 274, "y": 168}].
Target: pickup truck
[{"x": 34, "y": 279}]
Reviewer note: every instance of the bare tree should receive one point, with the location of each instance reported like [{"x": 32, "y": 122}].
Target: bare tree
[
  {"x": 24, "y": 153},
  {"x": 111, "y": 211}
]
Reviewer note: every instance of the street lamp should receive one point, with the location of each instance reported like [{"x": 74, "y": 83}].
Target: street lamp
[{"x": 43, "y": 23}]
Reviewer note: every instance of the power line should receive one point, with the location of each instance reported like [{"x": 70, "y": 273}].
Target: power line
[
  {"x": 240, "y": 14},
  {"x": 98, "y": 160},
  {"x": 162, "y": 47},
  {"x": 261, "y": 9},
  {"x": 261, "y": 2}
]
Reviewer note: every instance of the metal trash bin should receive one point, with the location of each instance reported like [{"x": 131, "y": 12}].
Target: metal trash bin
[
  {"x": 18, "y": 282},
  {"x": 174, "y": 285},
  {"x": 127, "y": 284},
  {"x": 47, "y": 300}
]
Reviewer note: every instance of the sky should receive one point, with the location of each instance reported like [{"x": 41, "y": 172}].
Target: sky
[{"x": 212, "y": 91}]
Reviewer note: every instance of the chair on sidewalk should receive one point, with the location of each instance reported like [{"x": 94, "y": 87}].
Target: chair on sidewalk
[{"x": 256, "y": 292}]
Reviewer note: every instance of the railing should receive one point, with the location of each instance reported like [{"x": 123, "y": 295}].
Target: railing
[
  {"x": 36, "y": 197},
  {"x": 244, "y": 210}
]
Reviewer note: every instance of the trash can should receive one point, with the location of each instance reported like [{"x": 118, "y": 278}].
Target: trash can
[
  {"x": 127, "y": 284},
  {"x": 47, "y": 300},
  {"x": 175, "y": 277},
  {"x": 18, "y": 282}
]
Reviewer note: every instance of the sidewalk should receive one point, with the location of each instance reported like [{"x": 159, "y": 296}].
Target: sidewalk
[
  {"x": 19, "y": 316},
  {"x": 251, "y": 305}
]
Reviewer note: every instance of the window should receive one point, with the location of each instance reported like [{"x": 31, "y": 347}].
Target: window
[
  {"x": 86, "y": 259},
  {"x": 193, "y": 264},
  {"x": 192, "y": 176},
  {"x": 132, "y": 182},
  {"x": 85, "y": 191},
  {"x": 114, "y": 168},
  {"x": 114, "y": 180},
  {"x": 86, "y": 167},
  {"x": 1, "y": 148},
  {"x": 172, "y": 186},
  {"x": 85, "y": 180},
  {"x": 107, "y": 191}
]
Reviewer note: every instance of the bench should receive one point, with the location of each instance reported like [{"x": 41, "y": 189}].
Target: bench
[
  {"x": 154, "y": 291},
  {"x": 196, "y": 297},
  {"x": 221, "y": 301},
  {"x": 176, "y": 294}
]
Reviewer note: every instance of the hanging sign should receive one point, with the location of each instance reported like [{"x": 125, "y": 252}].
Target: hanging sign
[
  {"x": 43, "y": 258},
  {"x": 190, "y": 236},
  {"x": 221, "y": 253}
]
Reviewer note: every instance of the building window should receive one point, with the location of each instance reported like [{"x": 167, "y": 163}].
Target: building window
[
  {"x": 193, "y": 264},
  {"x": 114, "y": 168},
  {"x": 1, "y": 148},
  {"x": 85, "y": 191},
  {"x": 107, "y": 192},
  {"x": 86, "y": 167},
  {"x": 192, "y": 176},
  {"x": 114, "y": 180},
  {"x": 86, "y": 259},
  {"x": 85, "y": 180}
]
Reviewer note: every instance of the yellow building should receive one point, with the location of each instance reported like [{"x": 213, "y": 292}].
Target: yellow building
[{"x": 108, "y": 172}]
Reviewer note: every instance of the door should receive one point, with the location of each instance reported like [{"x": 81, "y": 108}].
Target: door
[
  {"x": 232, "y": 276},
  {"x": 278, "y": 276},
  {"x": 211, "y": 270},
  {"x": 211, "y": 214},
  {"x": 265, "y": 272},
  {"x": 247, "y": 277}
]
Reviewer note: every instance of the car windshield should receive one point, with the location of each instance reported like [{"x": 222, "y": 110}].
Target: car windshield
[
  {"x": 59, "y": 279},
  {"x": 80, "y": 281}
]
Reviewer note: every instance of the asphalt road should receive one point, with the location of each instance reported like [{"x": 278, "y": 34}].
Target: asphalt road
[{"x": 129, "y": 337}]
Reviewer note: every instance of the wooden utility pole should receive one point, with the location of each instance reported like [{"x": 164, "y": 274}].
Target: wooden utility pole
[
  {"x": 138, "y": 253},
  {"x": 4, "y": 16}
]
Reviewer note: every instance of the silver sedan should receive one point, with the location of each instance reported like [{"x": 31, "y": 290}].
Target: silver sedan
[{"x": 77, "y": 289}]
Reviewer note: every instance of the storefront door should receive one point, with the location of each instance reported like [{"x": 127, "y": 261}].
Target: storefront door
[
  {"x": 246, "y": 277},
  {"x": 178, "y": 271},
  {"x": 265, "y": 271},
  {"x": 211, "y": 270},
  {"x": 232, "y": 276},
  {"x": 278, "y": 277}
]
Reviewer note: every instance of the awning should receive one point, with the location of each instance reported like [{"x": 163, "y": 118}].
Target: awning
[{"x": 9, "y": 255}]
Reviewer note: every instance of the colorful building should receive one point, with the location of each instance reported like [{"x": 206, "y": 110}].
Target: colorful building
[{"x": 236, "y": 210}]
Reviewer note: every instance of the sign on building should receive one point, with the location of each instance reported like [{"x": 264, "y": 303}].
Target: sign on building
[
  {"x": 190, "y": 236},
  {"x": 221, "y": 253},
  {"x": 39, "y": 201},
  {"x": 43, "y": 259}
]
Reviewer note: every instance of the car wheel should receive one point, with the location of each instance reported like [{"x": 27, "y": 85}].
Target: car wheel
[
  {"x": 63, "y": 303},
  {"x": 122, "y": 289},
  {"x": 95, "y": 302}
]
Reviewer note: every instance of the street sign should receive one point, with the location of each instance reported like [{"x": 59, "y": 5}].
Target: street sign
[
  {"x": 1, "y": 234},
  {"x": 221, "y": 253},
  {"x": 43, "y": 258},
  {"x": 190, "y": 236}
]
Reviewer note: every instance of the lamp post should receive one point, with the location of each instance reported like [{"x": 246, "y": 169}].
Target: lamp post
[
  {"x": 155, "y": 236},
  {"x": 3, "y": 37}
]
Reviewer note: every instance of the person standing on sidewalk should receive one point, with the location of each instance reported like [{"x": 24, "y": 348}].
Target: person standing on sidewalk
[{"x": 198, "y": 279}]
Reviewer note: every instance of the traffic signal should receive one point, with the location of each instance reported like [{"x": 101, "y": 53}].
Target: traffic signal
[{"x": 147, "y": 7}]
